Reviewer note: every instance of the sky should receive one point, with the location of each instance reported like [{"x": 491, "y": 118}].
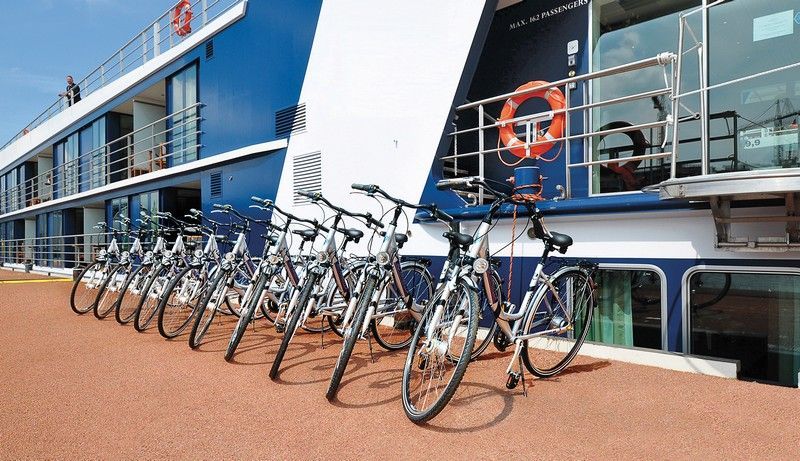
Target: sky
[{"x": 42, "y": 41}]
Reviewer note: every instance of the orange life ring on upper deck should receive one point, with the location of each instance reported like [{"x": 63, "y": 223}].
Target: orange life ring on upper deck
[
  {"x": 554, "y": 97},
  {"x": 182, "y": 17}
]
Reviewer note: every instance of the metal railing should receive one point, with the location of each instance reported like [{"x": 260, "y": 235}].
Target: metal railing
[
  {"x": 67, "y": 251},
  {"x": 158, "y": 37},
  {"x": 169, "y": 141},
  {"x": 531, "y": 122}
]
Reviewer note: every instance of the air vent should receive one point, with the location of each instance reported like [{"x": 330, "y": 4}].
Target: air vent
[
  {"x": 307, "y": 175},
  {"x": 216, "y": 184},
  {"x": 291, "y": 120},
  {"x": 209, "y": 49}
]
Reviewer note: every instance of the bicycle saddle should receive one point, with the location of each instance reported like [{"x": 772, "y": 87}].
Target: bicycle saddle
[
  {"x": 400, "y": 239},
  {"x": 562, "y": 241},
  {"x": 353, "y": 234},
  {"x": 273, "y": 239},
  {"x": 306, "y": 234},
  {"x": 462, "y": 240}
]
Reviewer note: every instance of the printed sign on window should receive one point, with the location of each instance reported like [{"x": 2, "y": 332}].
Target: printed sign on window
[{"x": 773, "y": 25}]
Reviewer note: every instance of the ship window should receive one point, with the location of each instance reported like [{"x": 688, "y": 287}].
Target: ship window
[
  {"x": 119, "y": 210},
  {"x": 748, "y": 316},
  {"x": 756, "y": 123},
  {"x": 183, "y": 124},
  {"x": 148, "y": 202},
  {"x": 625, "y": 31},
  {"x": 629, "y": 308}
]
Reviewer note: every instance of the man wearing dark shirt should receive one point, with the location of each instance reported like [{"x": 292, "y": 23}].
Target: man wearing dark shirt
[{"x": 73, "y": 93}]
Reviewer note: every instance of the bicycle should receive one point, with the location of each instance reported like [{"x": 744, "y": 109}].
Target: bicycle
[
  {"x": 547, "y": 329},
  {"x": 83, "y": 295},
  {"x": 383, "y": 303},
  {"x": 110, "y": 290}
]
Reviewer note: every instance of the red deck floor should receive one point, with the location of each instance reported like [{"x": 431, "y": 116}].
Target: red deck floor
[{"x": 75, "y": 387}]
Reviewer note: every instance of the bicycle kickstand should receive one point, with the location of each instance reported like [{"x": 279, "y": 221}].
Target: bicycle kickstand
[{"x": 369, "y": 341}]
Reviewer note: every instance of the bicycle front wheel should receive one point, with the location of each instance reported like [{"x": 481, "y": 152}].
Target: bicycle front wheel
[
  {"x": 439, "y": 354},
  {"x": 559, "y": 320},
  {"x": 131, "y": 294},
  {"x": 245, "y": 317},
  {"x": 84, "y": 290},
  {"x": 109, "y": 291},
  {"x": 351, "y": 334},
  {"x": 291, "y": 325},
  {"x": 178, "y": 305},
  {"x": 151, "y": 298},
  {"x": 208, "y": 307}
]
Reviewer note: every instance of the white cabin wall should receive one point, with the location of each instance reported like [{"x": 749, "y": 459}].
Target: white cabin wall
[{"x": 379, "y": 87}]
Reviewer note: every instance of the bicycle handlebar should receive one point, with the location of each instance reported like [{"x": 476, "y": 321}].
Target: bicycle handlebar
[
  {"x": 432, "y": 208},
  {"x": 314, "y": 196}
]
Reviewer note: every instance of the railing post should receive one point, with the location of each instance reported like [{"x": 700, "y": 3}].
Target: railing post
[
  {"x": 102, "y": 74},
  {"x": 480, "y": 149},
  {"x": 120, "y": 63},
  {"x": 204, "y": 6},
  {"x": 567, "y": 181},
  {"x": 144, "y": 49},
  {"x": 156, "y": 39}
]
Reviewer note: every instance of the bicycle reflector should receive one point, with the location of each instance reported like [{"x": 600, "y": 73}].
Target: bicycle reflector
[
  {"x": 322, "y": 257},
  {"x": 230, "y": 256},
  {"x": 198, "y": 253},
  {"x": 480, "y": 265},
  {"x": 273, "y": 259},
  {"x": 167, "y": 253}
]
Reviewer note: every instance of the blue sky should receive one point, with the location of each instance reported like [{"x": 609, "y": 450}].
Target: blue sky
[{"x": 44, "y": 40}]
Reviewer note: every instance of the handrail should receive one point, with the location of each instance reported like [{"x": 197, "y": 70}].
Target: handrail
[
  {"x": 146, "y": 45},
  {"x": 99, "y": 164}
]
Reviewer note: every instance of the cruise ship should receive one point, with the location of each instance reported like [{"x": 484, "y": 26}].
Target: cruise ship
[{"x": 664, "y": 133}]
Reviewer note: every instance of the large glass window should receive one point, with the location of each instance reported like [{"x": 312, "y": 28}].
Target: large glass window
[
  {"x": 754, "y": 123},
  {"x": 624, "y": 32},
  {"x": 56, "y": 240},
  {"x": 750, "y": 317},
  {"x": 628, "y": 310},
  {"x": 92, "y": 140},
  {"x": 119, "y": 210},
  {"x": 70, "y": 167},
  {"x": 148, "y": 202},
  {"x": 183, "y": 133}
]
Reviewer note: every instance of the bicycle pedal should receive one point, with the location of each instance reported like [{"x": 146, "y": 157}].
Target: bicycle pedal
[
  {"x": 423, "y": 363},
  {"x": 513, "y": 380},
  {"x": 280, "y": 328}
]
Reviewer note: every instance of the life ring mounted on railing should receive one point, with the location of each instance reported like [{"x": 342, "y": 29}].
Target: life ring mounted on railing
[
  {"x": 182, "y": 18},
  {"x": 555, "y": 98},
  {"x": 625, "y": 168}
]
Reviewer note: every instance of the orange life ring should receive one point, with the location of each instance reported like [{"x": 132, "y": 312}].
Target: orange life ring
[
  {"x": 626, "y": 168},
  {"x": 554, "y": 97},
  {"x": 182, "y": 17}
]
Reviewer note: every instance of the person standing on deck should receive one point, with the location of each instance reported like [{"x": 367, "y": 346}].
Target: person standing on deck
[{"x": 73, "y": 93}]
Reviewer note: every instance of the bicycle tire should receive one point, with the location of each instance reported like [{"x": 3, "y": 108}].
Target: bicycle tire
[
  {"x": 79, "y": 308},
  {"x": 122, "y": 315},
  {"x": 417, "y": 415},
  {"x": 291, "y": 325},
  {"x": 148, "y": 307},
  {"x": 485, "y": 311},
  {"x": 245, "y": 317},
  {"x": 364, "y": 301},
  {"x": 384, "y": 336},
  {"x": 100, "y": 309},
  {"x": 587, "y": 298},
  {"x": 204, "y": 316},
  {"x": 167, "y": 315}
]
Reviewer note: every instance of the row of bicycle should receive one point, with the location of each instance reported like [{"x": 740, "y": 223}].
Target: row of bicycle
[{"x": 381, "y": 295}]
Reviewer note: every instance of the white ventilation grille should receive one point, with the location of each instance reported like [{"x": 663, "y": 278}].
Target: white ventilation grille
[
  {"x": 307, "y": 174},
  {"x": 291, "y": 120}
]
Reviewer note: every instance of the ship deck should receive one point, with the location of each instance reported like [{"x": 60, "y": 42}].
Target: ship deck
[{"x": 75, "y": 387}]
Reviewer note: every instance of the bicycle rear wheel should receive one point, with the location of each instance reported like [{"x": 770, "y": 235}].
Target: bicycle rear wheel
[
  {"x": 562, "y": 313},
  {"x": 130, "y": 294},
  {"x": 178, "y": 305},
  {"x": 84, "y": 289},
  {"x": 395, "y": 325},
  {"x": 208, "y": 307},
  {"x": 436, "y": 364},
  {"x": 109, "y": 291}
]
